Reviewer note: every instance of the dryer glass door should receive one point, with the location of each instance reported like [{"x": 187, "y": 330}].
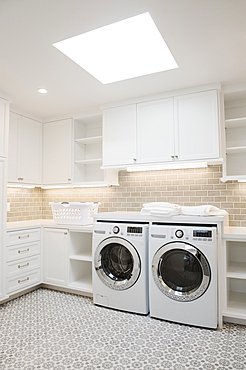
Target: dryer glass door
[
  {"x": 117, "y": 263},
  {"x": 181, "y": 271}
]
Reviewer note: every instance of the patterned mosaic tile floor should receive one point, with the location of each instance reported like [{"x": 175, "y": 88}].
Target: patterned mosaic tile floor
[{"x": 51, "y": 330}]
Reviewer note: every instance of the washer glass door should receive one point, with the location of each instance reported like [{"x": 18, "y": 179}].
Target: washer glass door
[
  {"x": 181, "y": 271},
  {"x": 117, "y": 263}
]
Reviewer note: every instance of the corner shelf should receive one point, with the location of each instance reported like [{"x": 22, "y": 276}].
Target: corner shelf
[{"x": 87, "y": 162}]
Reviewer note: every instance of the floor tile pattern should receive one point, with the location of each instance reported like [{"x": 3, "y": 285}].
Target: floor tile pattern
[{"x": 46, "y": 329}]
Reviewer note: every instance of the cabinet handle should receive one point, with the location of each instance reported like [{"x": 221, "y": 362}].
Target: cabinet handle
[
  {"x": 23, "y": 236},
  {"x": 21, "y": 266},
  {"x": 22, "y": 281},
  {"x": 135, "y": 159},
  {"x": 172, "y": 156},
  {"x": 176, "y": 156},
  {"x": 69, "y": 179},
  {"x": 65, "y": 233},
  {"x": 20, "y": 178},
  {"x": 23, "y": 251}
]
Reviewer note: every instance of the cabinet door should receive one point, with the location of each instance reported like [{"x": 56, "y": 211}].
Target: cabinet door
[
  {"x": 55, "y": 256},
  {"x": 30, "y": 151},
  {"x": 4, "y": 117},
  {"x": 196, "y": 126},
  {"x": 119, "y": 136},
  {"x": 3, "y": 221},
  {"x": 155, "y": 131},
  {"x": 13, "y": 154},
  {"x": 57, "y": 152}
]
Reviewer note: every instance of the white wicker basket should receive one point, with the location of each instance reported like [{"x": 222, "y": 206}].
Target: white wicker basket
[{"x": 74, "y": 213}]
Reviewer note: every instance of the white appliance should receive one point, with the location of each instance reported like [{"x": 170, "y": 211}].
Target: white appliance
[
  {"x": 183, "y": 273},
  {"x": 120, "y": 266}
]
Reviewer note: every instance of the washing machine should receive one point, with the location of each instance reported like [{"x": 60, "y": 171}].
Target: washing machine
[
  {"x": 183, "y": 273},
  {"x": 120, "y": 266}
]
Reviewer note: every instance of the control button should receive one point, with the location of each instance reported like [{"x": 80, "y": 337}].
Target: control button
[
  {"x": 187, "y": 238},
  {"x": 205, "y": 239},
  {"x": 194, "y": 238},
  {"x": 209, "y": 240},
  {"x": 200, "y": 239},
  {"x": 179, "y": 233},
  {"x": 116, "y": 229}
]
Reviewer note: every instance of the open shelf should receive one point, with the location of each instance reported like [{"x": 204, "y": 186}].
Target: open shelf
[
  {"x": 81, "y": 257},
  {"x": 89, "y": 161},
  {"x": 235, "y": 122},
  {"x": 89, "y": 140},
  {"x": 80, "y": 275},
  {"x": 236, "y": 295},
  {"x": 82, "y": 284},
  {"x": 236, "y": 149},
  {"x": 236, "y": 259}
]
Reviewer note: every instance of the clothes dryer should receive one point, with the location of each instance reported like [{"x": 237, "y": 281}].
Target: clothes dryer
[
  {"x": 120, "y": 266},
  {"x": 183, "y": 274}
]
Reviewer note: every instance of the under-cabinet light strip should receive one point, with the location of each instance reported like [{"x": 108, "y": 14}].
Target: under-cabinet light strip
[{"x": 168, "y": 167}]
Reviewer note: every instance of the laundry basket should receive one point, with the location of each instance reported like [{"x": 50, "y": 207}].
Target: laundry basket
[{"x": 74, "y": 213}]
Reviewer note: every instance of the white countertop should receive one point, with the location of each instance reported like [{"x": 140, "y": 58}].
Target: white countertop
[
  {"x": 11, "y": 226},
  {"x": 232, "y": 232},
  {"x": 137, "y": 216}
]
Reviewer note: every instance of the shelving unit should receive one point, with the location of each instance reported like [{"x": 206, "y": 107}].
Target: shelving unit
[
  {"x": 88, "y": 154},
  {"x": 80, "y": 260},
  {"x": 234, "y": 307},
  {"x": 235, "y": 137}
]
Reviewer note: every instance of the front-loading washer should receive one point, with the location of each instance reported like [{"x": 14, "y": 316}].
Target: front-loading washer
[
  {"x": 183, "y": 273},
  {"x": 120, "y": 266}
]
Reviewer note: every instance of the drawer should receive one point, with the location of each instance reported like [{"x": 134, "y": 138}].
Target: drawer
[
  {"x": 22, "y": 266},
  {"x": 23, "y": 236},
  {"x": 16, "y": 252},
  {"x": 23, "y": 281}
]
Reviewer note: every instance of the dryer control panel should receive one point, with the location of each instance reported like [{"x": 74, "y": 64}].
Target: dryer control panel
[{"x": 186, "y": 233}]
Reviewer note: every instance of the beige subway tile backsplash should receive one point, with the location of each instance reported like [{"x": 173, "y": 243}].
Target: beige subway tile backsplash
[{"x": 185, "y": 187}]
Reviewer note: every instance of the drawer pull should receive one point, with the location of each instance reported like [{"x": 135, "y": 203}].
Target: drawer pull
[
  {"x": 21, "y": 266},
  {"x": 24, "y": 236},
  {"x": 22, "y": 281},
  {"x": 23, "y": 251}
]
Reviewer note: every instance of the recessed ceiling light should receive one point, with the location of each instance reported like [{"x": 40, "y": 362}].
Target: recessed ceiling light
[
  {"x": 42, "y": 91},
  {"x": 130, "y": 48}
]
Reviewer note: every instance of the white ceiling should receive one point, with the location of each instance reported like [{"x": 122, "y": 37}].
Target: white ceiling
[{"x": 206, "y": 37}]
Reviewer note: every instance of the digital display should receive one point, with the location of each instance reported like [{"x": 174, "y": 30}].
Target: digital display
[
  {"x": 202, "y": 233},
  {"x": 134, "y": 230}
]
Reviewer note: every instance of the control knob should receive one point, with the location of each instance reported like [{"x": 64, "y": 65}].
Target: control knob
[
  {"x": 116, "y": 229},
  {"x": 179, "y": 233}
]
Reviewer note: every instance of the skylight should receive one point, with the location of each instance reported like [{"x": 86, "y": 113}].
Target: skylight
[{"x": 130, "y": 48}]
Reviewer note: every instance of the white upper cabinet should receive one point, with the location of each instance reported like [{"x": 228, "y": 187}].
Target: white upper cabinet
[
  {"x": 25, "y": 150},
  {"x": 119, "y": 136},
  {"x": 181, "y": 128},
  {"x": 4, "y": 117},
  {"x": 57, "y": 155},
  {"x": 155, "y": 131},
  {"x": 196, "y": 126}
]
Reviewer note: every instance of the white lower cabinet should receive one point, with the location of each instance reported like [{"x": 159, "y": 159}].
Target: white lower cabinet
[
  {"x": 67, "y": 258},
  {"x": 55, "y": 256},
  {"x": 234, "y": 298},
  {"x": 23, "y": 259}
]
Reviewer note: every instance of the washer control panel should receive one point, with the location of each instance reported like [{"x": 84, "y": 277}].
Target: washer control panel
[{"x": 190, "y": 234}]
